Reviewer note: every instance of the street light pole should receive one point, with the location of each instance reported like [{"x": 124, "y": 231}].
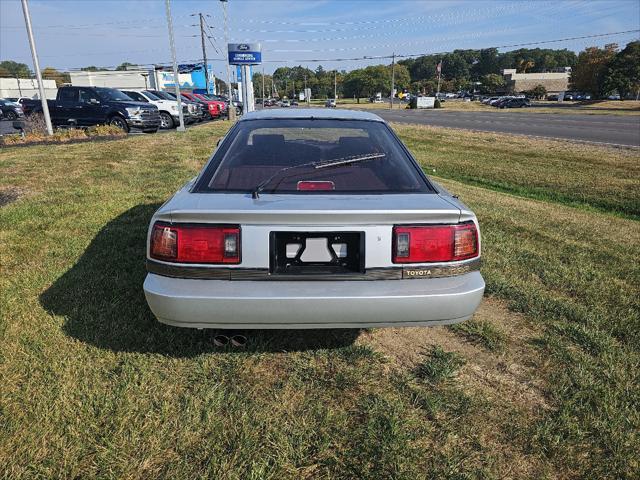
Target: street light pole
[
  {"x": 335, "y": 86},
  {"x": 231, "y": 109},
  {"x": 36, "y": 66},
  {"x": 393, "y": 79},
  {"x": 176, "y": 80},
  {"x": 263, "y": 85}
]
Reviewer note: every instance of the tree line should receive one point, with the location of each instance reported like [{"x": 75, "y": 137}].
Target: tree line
[{"x": 598, "y": 71}]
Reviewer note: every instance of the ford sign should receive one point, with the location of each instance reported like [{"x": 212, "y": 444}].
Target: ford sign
[{"x": 245, "y": 53}]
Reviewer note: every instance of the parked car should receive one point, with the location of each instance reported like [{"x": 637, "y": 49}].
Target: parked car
[
  {"x": 169, "y": 116},
  {"x": 515, "y": 103},
  {"x": 613, "y": 97},
  {"x": 285, "y": 103},
  {"x": 294, "y": 103},
  {"x": 222, "y": 106},
  {"x": 197, "y": 109},
  {"x": 212, "y": 107},
  {"x": 86, "y": 106},
  {"x": 30, "y": 105},
  {"x": 11, "y": 110},
  {"x": 312, "y": 219},
  {"x": 330, "y": 103}
]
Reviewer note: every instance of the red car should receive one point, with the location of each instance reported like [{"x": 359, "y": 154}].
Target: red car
[
  {"x": 222, "y": 106},
  {"x": 214, "y": 109}
]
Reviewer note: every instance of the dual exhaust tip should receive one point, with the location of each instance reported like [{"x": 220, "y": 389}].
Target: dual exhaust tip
[{"x": 238, "y": 341}]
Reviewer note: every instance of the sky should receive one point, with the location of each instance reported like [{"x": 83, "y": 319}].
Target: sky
[{"x": 71, "y": 34}]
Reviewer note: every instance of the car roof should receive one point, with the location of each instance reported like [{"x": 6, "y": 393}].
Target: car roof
[{"x": 321, "y": 113}]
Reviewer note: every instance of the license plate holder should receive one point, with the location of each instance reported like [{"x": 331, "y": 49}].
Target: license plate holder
[{"x": 344, "y": 253}]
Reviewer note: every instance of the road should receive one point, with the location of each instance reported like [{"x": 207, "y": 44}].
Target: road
[{"x": 611, "y": 129}]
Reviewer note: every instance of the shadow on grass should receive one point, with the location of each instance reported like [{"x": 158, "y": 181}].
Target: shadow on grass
[{"x": 102, "y": 299}]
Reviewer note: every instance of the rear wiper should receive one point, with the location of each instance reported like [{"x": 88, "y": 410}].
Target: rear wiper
[{"x": 335, "y": 162}]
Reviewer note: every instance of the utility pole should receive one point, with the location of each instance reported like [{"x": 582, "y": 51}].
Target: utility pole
[
  {"x": 36, "y": 66},
  {"x": 263, "y": 85},
  {"x": 306, "y": 97},
  {"x": 393, "y": 79},
  {"x": 335, "y": 86},
  {"x": 204, "y": 52},
  {"x": 231, "y": 110},
  {"x": 176, "y": 80}
]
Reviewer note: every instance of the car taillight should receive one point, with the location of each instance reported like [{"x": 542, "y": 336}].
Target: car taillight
[
  {"x": 437, "y": 243},
  {"x": 195, "y": 243}
]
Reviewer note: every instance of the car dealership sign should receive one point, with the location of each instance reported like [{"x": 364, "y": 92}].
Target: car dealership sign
[{"x": 245, "y": 53}]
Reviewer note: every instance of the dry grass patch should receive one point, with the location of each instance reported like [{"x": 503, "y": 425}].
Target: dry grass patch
[{"x": 507, "y": 376}]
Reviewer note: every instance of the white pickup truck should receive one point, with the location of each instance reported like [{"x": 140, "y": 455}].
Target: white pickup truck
[{"x": 169, "y": 117}]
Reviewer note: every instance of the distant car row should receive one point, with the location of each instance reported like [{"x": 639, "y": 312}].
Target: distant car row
[
  {"x": 519, "y": 101},
  {"x": 145, "y": 110},
  {"x": 272, "y": 102}
]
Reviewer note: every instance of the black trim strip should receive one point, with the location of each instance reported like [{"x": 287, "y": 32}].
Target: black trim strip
[{"x": 262, "y": 274}]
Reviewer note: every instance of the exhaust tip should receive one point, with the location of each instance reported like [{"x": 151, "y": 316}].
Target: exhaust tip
[
  {"x": 239, "y": 341},
  {"x": 221, "y": 340}
]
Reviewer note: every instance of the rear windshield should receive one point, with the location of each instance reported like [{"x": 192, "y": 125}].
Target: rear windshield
[{"x": 312, "y": 156}]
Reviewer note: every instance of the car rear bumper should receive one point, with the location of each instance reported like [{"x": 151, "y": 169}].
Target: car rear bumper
[{"x": 313, "y": 304}]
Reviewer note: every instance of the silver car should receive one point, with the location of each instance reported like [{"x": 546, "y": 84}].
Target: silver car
[{"x": 312, "y": 218}]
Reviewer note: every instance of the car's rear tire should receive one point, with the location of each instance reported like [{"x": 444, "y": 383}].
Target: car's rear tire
[
  {"x": 166, "y": 121},
  {"x": 11, "y": 115},
  {"x": 119, "y": 122}
]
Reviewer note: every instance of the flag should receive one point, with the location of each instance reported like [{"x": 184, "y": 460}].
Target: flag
[{"x": 439, "y": 67}]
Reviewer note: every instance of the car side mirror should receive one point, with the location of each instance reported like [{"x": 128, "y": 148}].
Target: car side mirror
[{"x": 94, "y": 101}]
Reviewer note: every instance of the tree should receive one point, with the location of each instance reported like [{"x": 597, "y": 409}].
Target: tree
[
  {"x": 492, "y": 83},
  {"x": 53, "y": 74},
  {"x": 354, "y": 84},
  {"x": 15, "y": 69},
  {"x": 591, "y": 69},
  {"x": 623, "y": 74},
  {"x": 402, "y": 78},
  {"x": 524, "y": 64},
  {"x": 487, "y": 63},
  {"x": 125, "y": 66},
  {"x": 538, "y": 92},
  {"x": 454, "y": 67}
]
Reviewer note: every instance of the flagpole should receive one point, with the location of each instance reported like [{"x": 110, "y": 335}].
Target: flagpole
[{"x": 439, "y": 68}]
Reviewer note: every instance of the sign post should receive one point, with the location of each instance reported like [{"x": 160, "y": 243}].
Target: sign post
[{"x": 245, "y": 55}]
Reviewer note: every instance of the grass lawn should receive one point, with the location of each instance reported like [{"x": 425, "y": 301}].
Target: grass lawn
[{"x": 542, "y": 383}]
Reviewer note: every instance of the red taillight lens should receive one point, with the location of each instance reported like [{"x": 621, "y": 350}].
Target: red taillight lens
[
  {"x": 438, "y": 243},
  {"x": 195, "y": 243}
]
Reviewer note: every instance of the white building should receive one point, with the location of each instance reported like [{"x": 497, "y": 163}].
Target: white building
[
  {"x": 26, "y": 87},
  {"x": 113, "y": 79}
]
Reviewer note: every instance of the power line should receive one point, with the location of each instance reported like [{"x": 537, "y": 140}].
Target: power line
[{"x": 381, "y": 57}]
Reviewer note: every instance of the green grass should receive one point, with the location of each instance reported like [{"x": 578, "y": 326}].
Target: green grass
[
  {"x": 586, "y": 176},
  {"x": 483, "y": 333},
  {"x": 93, "y": 386},
  {"x": 439, "y": 365}
]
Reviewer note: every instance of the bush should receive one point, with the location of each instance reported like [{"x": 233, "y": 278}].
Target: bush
[
  {"x": 437, "y": 103},
  {"x": 104, "y": 130},
  {"x": 35, "y": 131}
]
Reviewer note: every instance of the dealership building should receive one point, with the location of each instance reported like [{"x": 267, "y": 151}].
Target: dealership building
[
  {"x": 554, "y": 82},
  {"x": 190, "y": 77}
]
